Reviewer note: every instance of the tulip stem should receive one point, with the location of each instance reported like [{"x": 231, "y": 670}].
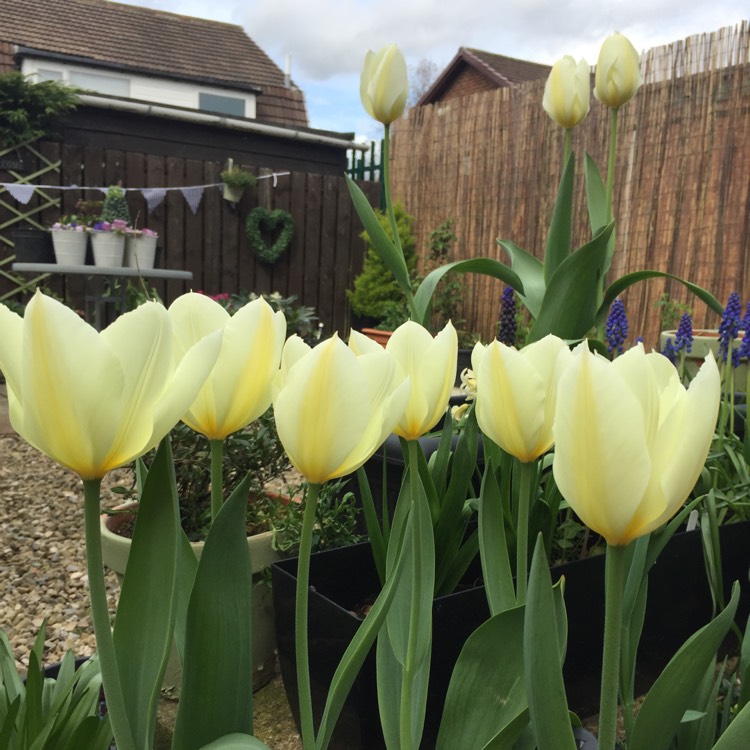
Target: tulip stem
[
  {"x": 568, "y": 147},
  {"x": 105, "y": 645},
  {"x": 392, "y": 218},
  {"x": 217, "y": 477},
  {"x": 300, "y": 624},
  {"x": 615, "y": 578},
  {"x": 611, "y": 162},
  {"x": 527, "y": 488}
]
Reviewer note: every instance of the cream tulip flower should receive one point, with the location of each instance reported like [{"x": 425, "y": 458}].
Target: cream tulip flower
[
  {"x": 567, "y": 93},
  {"x": 630, "y": 441},
  {"x": 96, "y": 401},
  {"x": 618, "y": 71},
  {"x": 238, "y": 389},
  {"x": 430, "y": 365},
  {"x": 333, "y": 408},
  {"x": 384, "y": 85},
  {"x": 516, "y": 392}
]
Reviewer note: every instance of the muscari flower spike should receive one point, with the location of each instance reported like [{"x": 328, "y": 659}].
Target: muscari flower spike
[
  {"x": 684, "y": 337},
  {"x": 744, "y": 351},
  {"x": 617, "y": 327},
  {"x": 669, "y": 351},
  {"x": 508, "y": 330},
  {"x": 730, "y": 325}
]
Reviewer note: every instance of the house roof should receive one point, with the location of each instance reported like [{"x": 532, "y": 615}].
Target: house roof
[
  {"x": 153, "y": 42},
  {"x": 500, "y": 70}
]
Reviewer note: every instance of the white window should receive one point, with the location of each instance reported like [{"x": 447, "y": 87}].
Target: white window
[
  {"x": 103, "y": 84},
  {"x": 225, "y": 105},
  {"x": 45, "y": 74}
]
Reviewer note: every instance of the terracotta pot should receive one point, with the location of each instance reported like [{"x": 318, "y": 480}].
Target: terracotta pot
[
  {"x": 115, "y": 552},
  {"x": 377, "y": 335}
]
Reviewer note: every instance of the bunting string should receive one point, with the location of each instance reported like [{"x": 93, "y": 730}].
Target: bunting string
[{"x": 193, "y": 194}]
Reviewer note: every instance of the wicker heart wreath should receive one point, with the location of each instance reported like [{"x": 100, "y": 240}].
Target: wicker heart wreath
[{"x": 262, "y": 221}]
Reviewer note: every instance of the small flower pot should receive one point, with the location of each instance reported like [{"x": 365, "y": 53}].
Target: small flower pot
[
  {"x": 70, "y": 247},
  {"x": 140, "y": 252},
  {"x": 377, "y": 335},
  {"x": 109, "y": 248},
  {"x": 32, "y": 245}
]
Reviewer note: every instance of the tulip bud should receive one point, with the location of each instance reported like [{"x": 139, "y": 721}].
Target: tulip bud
[
  {"x": 383, "y": 85},
  {"x": 567, "y": 92},
  {"x": 618, "y": 72}
]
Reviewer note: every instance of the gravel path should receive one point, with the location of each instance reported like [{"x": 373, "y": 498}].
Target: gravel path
[{"x": 42, "y": 554}]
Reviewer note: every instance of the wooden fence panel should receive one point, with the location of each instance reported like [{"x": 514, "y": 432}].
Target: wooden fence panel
[
  {"x": 325, "y": 253},
  {"x": 492, "y": 161}
]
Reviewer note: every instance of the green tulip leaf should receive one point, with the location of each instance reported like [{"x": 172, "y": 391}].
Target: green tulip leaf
[
  {"x": 735, "y": 737},
  {"x": 493, "y": 546},
  {"x": 659, "y": 717},
  {"x": 146, "y": 612},
  {"x": 217, "y": 680},
  {"x": 485, "y": 266},
  {"x": 616, "y": 288},
  {"x": 188, "y": 569},
  {"x": 569, "y": 306},
  {"x": 560, "y": 230},
  {"x": 386, "y": 249},
  {"x": 531, "y": 273},
  {"x": 405, "y": 641},
  {"x": 487, "y": 694},
  {"x": 236, "y": 742},
  {"x": 548, "y": 705}
]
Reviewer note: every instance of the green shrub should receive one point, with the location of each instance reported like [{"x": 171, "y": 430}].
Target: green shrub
[
  {"x": 29, "y": 111},
  {"x": 115, "y": 206},
  {"x": 376, "y": 293}
]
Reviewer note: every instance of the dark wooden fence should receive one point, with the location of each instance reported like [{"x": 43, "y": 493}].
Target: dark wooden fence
[
  {"x": 320, "y": 264},
  {"x": 492, "y": 162}
]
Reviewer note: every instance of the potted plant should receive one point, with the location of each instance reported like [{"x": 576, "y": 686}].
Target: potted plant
[
  {"x": 69, "y": 240},
  {"x": 140, "y": 248},
  {"x": 108, "y": 242},
  {"x": 235, "y": 181}
]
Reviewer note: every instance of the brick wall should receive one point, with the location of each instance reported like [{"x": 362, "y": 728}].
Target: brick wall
[
  {"x": 6, "y": 57},
  {"x": 468, "y": 81}
]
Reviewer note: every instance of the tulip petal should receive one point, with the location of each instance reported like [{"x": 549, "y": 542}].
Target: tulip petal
[
  {"x": 73, "y": 387},
  {"x": 601, "y": 464},
  {"x": 10, "y": 347}
]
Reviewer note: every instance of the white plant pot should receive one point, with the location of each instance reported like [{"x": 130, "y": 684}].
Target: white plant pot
[
  {"x": 70, "y": 247},
  {"x": 140, "y": 252},
  {"x": 109, "y": 248}
]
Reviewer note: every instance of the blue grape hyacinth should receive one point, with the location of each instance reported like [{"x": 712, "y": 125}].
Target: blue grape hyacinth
[
  {"x": 669, "y": 351},
  {"x": 507, "y": 330},
  {"x": 684, "y": 336},
  {"x": 617, "y": 327},
  {"x": 729, "y": 326}
]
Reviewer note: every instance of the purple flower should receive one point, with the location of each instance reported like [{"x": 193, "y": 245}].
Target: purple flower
[
  {"x": 684, "y": 337},
  {"x": 507, "y": 332},
  {"x": 669, "y": 352},
  {"x": 617, "y": 327},
  {"x": 730, "y": 325}
]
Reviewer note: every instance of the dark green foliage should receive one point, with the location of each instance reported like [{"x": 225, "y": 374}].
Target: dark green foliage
[
  {"x": 115, "y": 206},
  {"x": 28, "y": 111},
  {"x": 376, "y": 294}
]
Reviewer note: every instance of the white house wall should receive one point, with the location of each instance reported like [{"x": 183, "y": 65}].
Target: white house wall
[{"x": 158, "y": 90}]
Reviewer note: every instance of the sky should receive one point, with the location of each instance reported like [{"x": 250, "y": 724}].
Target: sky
[{"x": 327, "y": 39}]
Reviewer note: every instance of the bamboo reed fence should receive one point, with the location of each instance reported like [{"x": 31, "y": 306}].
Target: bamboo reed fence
[{"x": 492, "y": 161}]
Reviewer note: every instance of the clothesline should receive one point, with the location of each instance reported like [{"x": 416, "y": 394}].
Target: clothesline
[{"x": 193, "y": 194}]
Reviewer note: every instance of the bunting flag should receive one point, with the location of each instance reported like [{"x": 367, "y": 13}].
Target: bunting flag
[
  {"x": 21, "y": 192},
  {"x": 153, "y": 196},
  {"x": 193, "y": 194}
]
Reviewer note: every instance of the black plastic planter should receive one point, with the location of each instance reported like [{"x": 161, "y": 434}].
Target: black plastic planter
[
  {"x": 344, "y": 579},
  {"x": 32, "y": 246}
]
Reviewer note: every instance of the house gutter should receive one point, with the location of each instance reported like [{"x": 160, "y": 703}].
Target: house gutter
[{"x": 236, "y": 123}]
